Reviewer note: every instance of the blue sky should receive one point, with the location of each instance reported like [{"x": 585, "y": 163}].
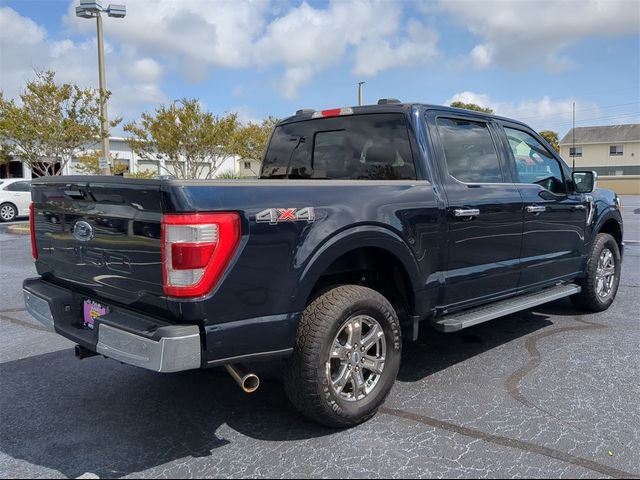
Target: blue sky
[{"x": 525, "y": 59}]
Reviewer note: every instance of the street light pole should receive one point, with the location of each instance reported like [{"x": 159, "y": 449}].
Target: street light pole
[
  {"x": 91, "y": 9},
  {"x": 104, "y": 119}
]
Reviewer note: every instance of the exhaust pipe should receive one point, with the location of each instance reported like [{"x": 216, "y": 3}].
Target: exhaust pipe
[
  {"x": 82, "y": 352},
  {"x": 249, "y": 382}
]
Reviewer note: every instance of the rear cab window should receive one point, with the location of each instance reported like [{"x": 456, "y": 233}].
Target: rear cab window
[
  {"x": 350, "y": 147},
  {"x": 469, "y": 150}
]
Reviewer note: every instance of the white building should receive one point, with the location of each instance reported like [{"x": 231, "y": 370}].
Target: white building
[{"x": 122, "y": 154}]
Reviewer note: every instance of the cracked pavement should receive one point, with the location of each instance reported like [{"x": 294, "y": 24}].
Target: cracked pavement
[{"x": 550, "y": 392}]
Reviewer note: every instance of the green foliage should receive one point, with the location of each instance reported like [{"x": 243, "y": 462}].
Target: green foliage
[
  {"x": 53, "y": 123},
  {"x": 251, "y": 139},
  {"x": 193, "y": 143},
  {"x": 6, "y": 153},
  {"x": 230, "y": 175},
  {"x": 89, "y": 164},
  {"x": 552, "y": 138},
  {"x": 141, "y": 174},
  {"x": 471, "y": 106}
]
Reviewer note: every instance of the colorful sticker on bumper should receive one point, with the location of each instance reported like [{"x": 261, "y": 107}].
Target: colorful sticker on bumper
[{"x": 92, "y": 310}]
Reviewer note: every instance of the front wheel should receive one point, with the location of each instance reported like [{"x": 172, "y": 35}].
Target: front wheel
[
  {"x": 602, "y": 276},
  {"x": 346, "y": 357}
]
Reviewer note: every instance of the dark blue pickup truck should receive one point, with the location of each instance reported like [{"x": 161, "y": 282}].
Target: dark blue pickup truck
[{"x": 366, "y": 223}]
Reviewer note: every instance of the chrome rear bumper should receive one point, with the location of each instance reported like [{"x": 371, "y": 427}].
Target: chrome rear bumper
[{"x": 175, "y": 348}]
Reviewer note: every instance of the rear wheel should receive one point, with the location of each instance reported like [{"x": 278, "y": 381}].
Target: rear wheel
[
  {"x": 600, "y": 284},
  {"x": 346, "y": 357},
  {"x": 8, "y": 212}
]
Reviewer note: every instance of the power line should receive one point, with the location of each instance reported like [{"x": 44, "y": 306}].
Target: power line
[{"x": 560, "y": 114}]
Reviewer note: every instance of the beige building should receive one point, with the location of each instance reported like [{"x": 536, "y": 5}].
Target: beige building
[{"x": 613, "y": 151}]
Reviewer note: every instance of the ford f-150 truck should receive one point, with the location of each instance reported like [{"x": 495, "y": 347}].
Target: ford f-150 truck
[{"x": 366, "y": 224}]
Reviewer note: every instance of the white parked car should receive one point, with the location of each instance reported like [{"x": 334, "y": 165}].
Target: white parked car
[{"x": 15, "y": 197}]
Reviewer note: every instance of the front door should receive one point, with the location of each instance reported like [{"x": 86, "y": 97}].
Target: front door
[
  {"x": 554, "y": 217},
  {"x": 484, "y": 212}
]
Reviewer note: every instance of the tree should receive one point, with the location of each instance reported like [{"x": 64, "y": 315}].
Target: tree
[
  {"x": 471, "y": 106},
  {"x": 552, "y": 138},
  {"x": 251, "y": 139},
  {"x": 191, "y": 142},
  {"x": 53, "y": 123},
  {"x": 89, "y": 164}
]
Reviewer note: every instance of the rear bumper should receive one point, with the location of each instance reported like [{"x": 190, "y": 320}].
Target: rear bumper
[{"x": 122, "y": 335}]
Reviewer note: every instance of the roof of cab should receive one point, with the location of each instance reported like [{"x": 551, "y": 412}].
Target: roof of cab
[{"x": 307, "y": 114}]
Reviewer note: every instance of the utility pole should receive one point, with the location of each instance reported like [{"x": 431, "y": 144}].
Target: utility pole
[
  {"x": 92, "y": 9},
  {"x": 573, "y": 132},
  {"x": 360, "y": 93}
]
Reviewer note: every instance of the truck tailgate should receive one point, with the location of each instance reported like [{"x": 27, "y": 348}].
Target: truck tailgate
[{"x": 101, "y": 237}]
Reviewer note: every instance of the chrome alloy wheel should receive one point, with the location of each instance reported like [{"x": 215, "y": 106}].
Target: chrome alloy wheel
[
  {"x": 7, "y": 213},
  {"x": 357, "y": 357},
  {"x": 605, "y": 273}
]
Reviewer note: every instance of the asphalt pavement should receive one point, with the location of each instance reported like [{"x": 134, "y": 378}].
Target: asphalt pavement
[{"x": 551, "y": 392}]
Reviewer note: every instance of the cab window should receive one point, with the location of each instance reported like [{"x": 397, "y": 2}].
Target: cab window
[
  {"x": 534, "y": 163},
  {"x": 469, "y": 151}
]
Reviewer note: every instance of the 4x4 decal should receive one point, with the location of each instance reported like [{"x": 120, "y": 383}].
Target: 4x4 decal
[{"x": 273, "y": 216}]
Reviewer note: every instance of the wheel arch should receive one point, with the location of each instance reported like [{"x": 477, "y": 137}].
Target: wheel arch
[{"x": 357, "y": 250}]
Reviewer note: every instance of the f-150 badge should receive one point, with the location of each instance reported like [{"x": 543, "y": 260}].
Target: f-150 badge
[{"x": 273, "y": 216}]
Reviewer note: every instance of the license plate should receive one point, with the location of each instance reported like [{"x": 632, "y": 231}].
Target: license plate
[{"x": 91, "y": 311}]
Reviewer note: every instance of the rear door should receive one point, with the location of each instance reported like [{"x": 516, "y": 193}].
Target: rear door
[
  {"x": 554, "y": 216},
  {"x": 484, "y": 210}
]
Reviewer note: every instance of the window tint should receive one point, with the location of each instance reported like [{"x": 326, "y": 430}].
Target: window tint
[
  {"x": 359, "y": 147},
  {"x": 535, "y": 164},
  {"x": 18, "y": 187},
  {"x": 469, "y": 150}
]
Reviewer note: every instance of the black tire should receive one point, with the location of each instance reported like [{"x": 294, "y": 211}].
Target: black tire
[
  {"x": 589, "y": 298},
  {"x": 9, "y": 212},
  {"x": 306, "y": 381}
]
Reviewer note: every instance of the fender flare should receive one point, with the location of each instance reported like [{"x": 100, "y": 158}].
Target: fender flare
[{"x": 354, "y": 238}]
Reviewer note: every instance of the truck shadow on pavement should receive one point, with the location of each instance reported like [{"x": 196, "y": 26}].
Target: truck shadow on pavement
[{"x": 112, "y": 420}]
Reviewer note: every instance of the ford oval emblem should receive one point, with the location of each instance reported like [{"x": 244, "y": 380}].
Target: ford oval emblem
[{"x": 82, "y": 231}]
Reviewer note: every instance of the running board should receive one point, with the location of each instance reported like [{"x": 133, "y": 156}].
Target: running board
[{"x": 468, "y": 318}]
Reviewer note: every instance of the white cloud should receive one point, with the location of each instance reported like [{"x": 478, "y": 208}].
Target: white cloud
[
  {"x": 196, "y": 32},
  {"x": 133, "y": 81},
  {"x": 307, "y": 40},
  {"x": 543, "y": 113},
  {"x": 527, "y": 33},
  {"x": 417, "y": 48}
]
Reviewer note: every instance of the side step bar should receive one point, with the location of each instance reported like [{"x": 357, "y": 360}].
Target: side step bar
[{"x": 468, "y": 318}]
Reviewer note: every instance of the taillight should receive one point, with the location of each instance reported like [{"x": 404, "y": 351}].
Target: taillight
[
  {"x": 334, "y": 112},
  {"x": 32, "y": 231},
  {"x": 196, "y": 250}
]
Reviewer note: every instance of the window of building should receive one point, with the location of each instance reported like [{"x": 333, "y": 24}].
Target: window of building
[
  {"x": 615, "y": 150},
  {"x": 535, "y": 164},
  {"x": 575, "y": 152},
  {"x": 247, "y": 165},
  {"x": 469, "y": 150}
]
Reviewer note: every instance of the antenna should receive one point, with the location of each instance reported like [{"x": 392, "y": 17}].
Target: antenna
[{"x": 573, "y": 131}]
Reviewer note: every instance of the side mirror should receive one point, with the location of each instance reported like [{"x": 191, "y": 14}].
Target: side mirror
[{"x": 585, "y": 181}]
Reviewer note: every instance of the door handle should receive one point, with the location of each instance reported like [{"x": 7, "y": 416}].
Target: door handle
[
  {"x": 536, "y": 209},
  {"x": 466, "y": 212},
  {"x": 579, "y": 207}
]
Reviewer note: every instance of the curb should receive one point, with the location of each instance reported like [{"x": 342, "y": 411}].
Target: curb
[{"x": 18, "y": 229}]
